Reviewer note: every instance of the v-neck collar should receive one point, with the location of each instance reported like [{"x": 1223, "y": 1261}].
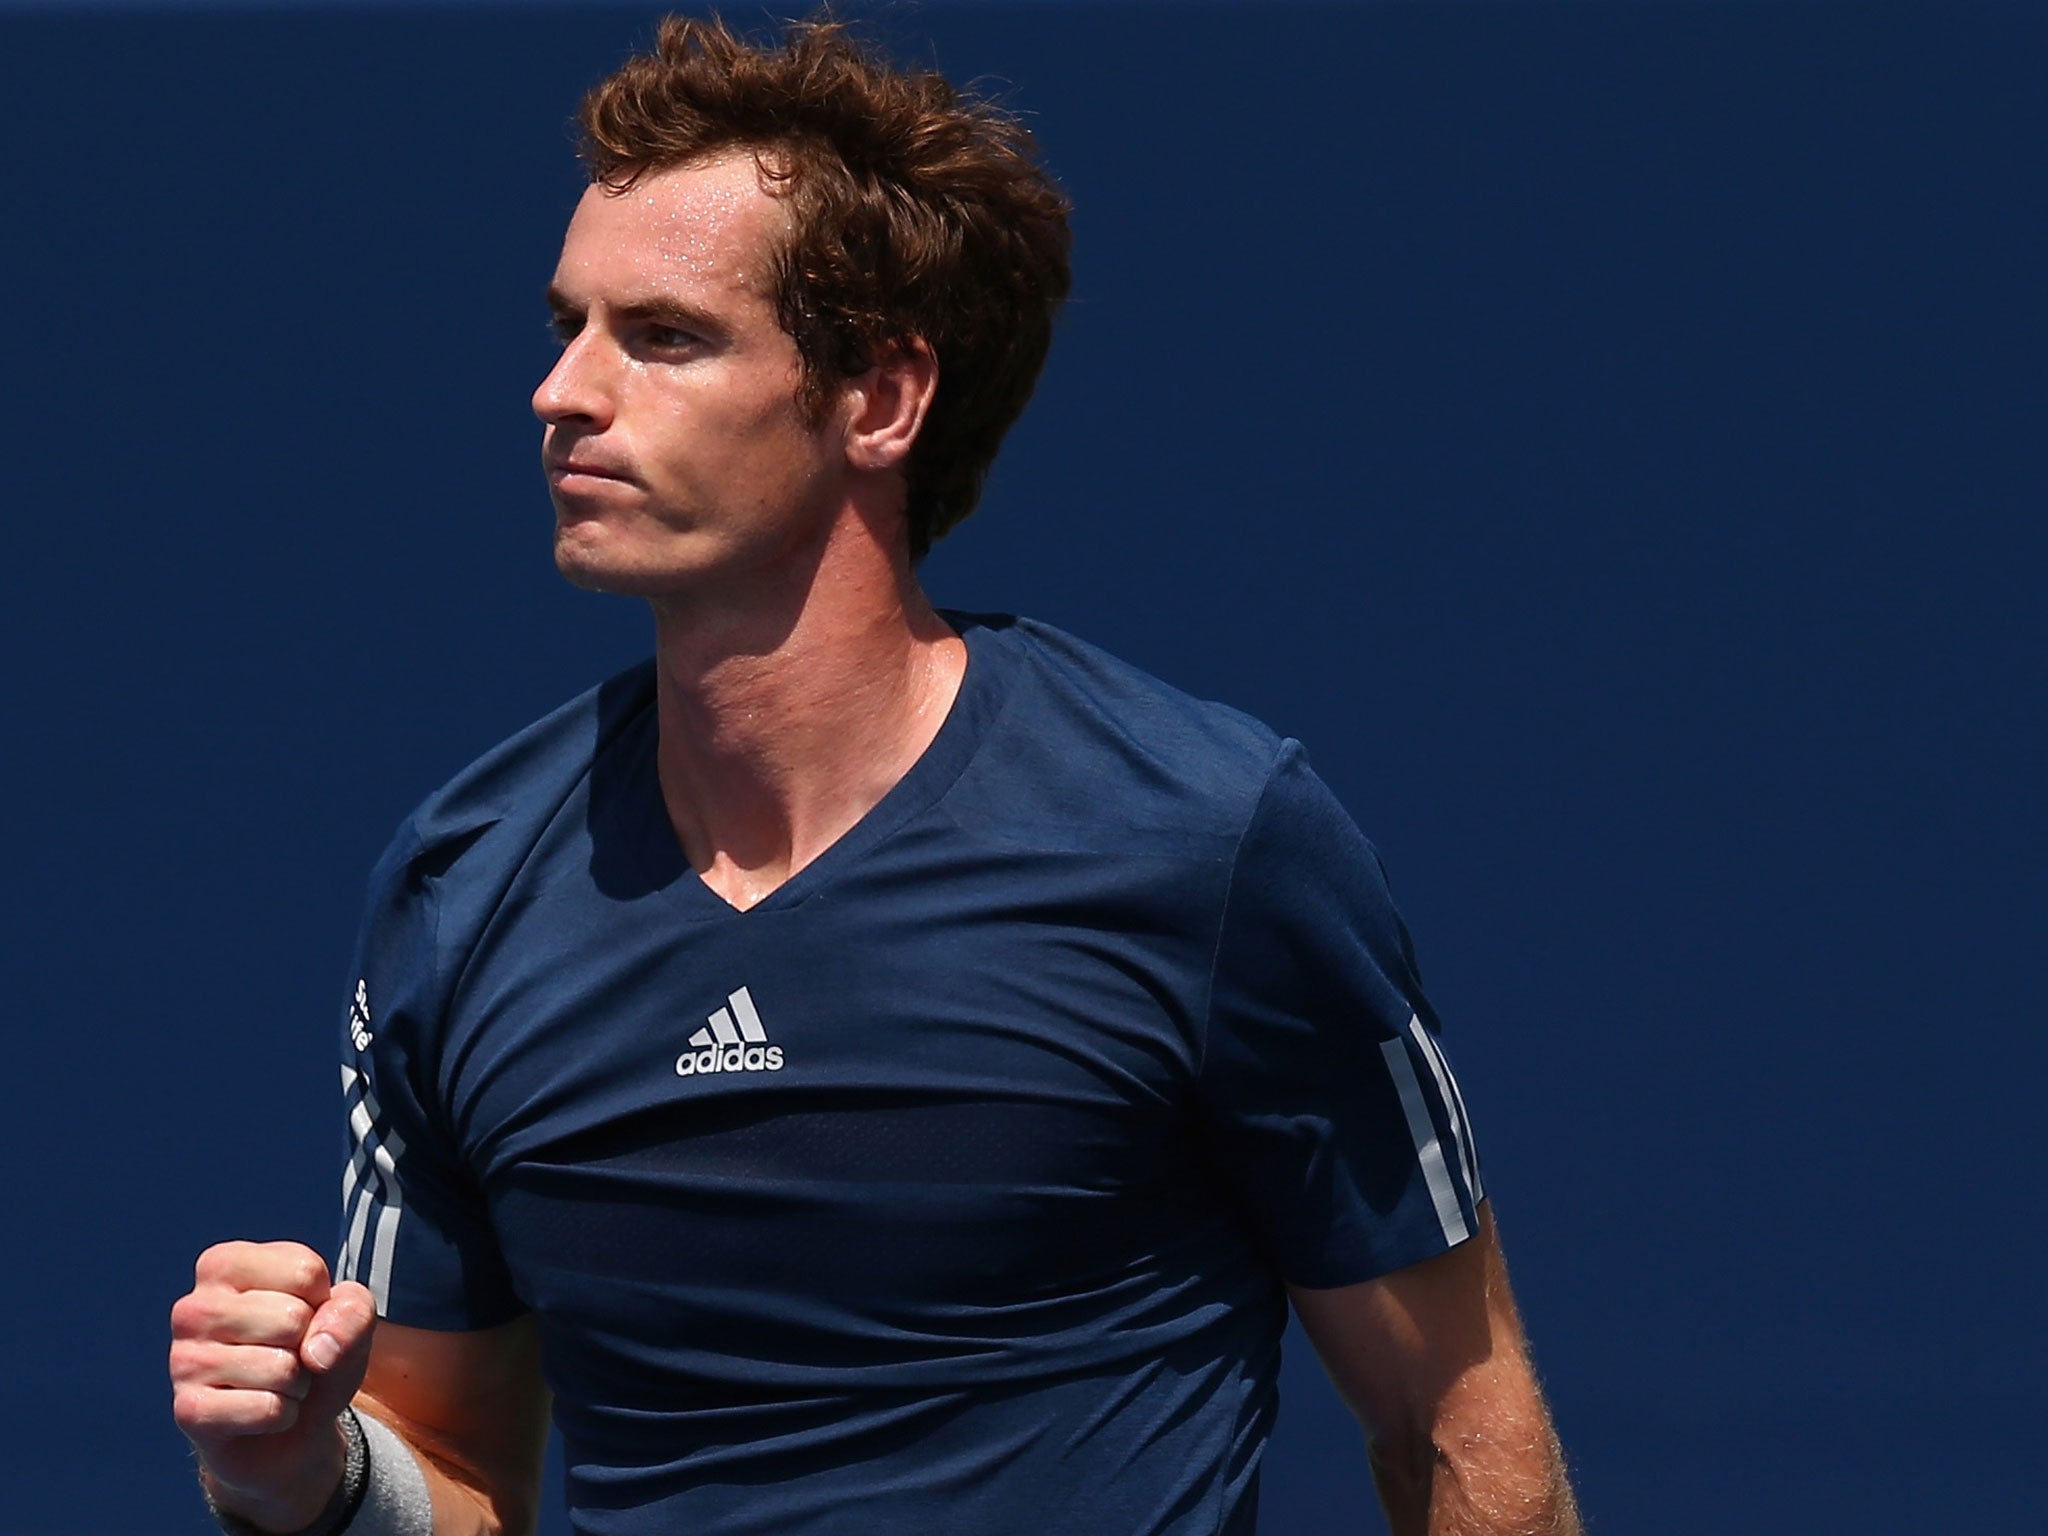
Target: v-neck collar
[{"x": 642, "y": 816}]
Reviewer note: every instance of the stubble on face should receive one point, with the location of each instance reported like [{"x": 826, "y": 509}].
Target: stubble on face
[{"x": 678, "y": 445}]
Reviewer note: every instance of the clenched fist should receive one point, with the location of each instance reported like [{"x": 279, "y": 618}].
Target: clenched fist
[{"x": 265, "y": 1353}]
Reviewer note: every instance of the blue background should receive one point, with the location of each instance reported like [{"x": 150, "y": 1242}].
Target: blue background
[{"x": 1608, "y": 434}]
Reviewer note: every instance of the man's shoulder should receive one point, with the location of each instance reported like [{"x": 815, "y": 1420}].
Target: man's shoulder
[
  {"x": 510, "y": 791},
  {"x": 1099, "y": 741}
]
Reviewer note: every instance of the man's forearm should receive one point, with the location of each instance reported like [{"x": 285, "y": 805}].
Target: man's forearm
[
  {"x": 455, "y": 1499},
  {"x": 1508, "y": 1480}
]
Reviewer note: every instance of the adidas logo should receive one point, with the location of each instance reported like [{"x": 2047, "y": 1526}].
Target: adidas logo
[{"x": 731, "y": 1041}]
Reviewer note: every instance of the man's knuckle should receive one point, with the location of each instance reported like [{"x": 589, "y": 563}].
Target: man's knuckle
[
  {"x": 295, "y": 1316},
  {"x": 196, "y": 1409},
  {"x": 189, "y": 1360},
  {"x": 273, "y": 1324},
  {"x": 276, "y": 1412},
  {"x": 190, "y": 1316},
  {"x": 278, "y": 1369},
  {"x": 305, "y": 1272},
  {"x": 218, "y": 1262}
]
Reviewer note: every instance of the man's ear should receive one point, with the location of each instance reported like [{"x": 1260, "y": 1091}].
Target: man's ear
[{"x": 889, "y": 403}]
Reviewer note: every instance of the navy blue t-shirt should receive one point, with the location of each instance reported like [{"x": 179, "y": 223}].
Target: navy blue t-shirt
[{"x": 951, "y": 1187}]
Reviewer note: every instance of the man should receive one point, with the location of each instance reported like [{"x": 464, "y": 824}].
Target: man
[{"x": 877, "y": 1070}]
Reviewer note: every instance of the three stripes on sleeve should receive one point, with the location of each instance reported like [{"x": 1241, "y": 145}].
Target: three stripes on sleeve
[
  {"x": 1447, "y": 1175},
  {"x": 370, "y": 1198}
]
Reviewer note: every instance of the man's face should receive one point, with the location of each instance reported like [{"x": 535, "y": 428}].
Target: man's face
[{"x": 675, "y": 445}]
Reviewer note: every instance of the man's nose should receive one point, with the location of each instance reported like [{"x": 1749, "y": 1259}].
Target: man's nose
[{"x": 576, "y": 388}]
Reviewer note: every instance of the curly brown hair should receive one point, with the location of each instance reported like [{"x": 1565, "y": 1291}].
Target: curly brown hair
[{"x": 916, "y": 212}]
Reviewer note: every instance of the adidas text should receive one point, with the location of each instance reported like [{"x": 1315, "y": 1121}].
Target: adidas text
[{"x": 730, "y": 1058}]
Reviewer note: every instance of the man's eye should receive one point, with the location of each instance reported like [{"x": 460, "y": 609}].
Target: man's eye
[
  {"x": 564, "y": 328},
  {"x": 668, "y": 337}
]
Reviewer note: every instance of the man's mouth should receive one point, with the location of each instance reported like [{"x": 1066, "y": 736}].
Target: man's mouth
[{"x": 563, "y": 469}]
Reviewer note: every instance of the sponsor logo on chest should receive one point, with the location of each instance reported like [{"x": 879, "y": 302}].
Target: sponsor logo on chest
[{"x": 732, "y": 1040}]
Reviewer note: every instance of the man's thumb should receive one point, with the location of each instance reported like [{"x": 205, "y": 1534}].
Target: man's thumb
[{"x": 337, "y": 1340}]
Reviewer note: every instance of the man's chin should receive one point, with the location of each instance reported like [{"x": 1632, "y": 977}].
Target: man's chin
[
  {"x": 586, "y": 568},
  {"x": 590, "y": 569}
]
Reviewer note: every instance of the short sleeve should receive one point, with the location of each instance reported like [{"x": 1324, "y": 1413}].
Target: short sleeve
[
  {"x": 414, "y": 1227},
  {"x": 1327, "y": 1101}
]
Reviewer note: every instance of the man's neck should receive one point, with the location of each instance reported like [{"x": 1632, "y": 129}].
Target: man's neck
[{"x": 784, "y": 722}]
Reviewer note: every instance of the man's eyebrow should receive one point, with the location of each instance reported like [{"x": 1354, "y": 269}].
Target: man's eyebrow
[{"x": 653, "y": 307}]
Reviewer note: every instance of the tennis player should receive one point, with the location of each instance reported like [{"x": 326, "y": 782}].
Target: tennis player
[{"x": 867, "y": 1069}]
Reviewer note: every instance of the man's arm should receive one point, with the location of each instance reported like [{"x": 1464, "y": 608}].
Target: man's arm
[
  {"x": 474, "y": 1407},
  {"x": 1433, "y": 1362},
  {"x": 266, "y": 1352}
]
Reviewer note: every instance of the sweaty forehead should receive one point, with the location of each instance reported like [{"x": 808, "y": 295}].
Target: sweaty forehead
[{"x": 708, "y": 223}]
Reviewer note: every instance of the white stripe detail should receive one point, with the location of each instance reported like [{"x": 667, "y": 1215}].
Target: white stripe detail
[
  {"x": 351, "y": 1251},
  {"x": 721, "y": 1025},
  {"x": 1454, "y": 1102},
  {"x": 380, "y": 1262},
  {"x": 1423, "y": 1132},
  {"x": 352, "y": 1176},
  {"x": 362, "y": 1122},
  {"x": 351, "y": 1180},
  {"x": 361, "y": 1126},
  {"x": 370, "y": 1182},
  {"x": 702, "y": 1037},
  {"x": 750, "y": 1021}
]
